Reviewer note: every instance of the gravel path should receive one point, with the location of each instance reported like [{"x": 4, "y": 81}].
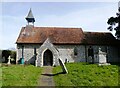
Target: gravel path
[{"x": 46, "y": 78}]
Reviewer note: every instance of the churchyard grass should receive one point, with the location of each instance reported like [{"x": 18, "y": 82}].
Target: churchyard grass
[
  {"x": 20, "y": 75},
  {"x": 84, "y": 74}
]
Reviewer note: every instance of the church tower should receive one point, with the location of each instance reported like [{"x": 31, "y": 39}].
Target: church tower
[{"x": 30, "y": 18}]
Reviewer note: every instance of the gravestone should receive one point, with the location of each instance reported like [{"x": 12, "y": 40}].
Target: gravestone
[
  {"x": 102, "y": 56},
  {"x": 63, "y": 66},
  {"x": 9, "y": 60},
  {"x": 3, "y": 59}
]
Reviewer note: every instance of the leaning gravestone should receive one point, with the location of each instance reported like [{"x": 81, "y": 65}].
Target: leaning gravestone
[
  {"x": 63, "y": 66},
  {"x": 9, "y": 60}
]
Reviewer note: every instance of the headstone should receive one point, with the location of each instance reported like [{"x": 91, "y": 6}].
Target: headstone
[
  {"x": 3, "y": 59},
  {"x": 102, "y": 59},
  {"x": 102, "y": 56},
  {"x": 90, "y": 59},
  {"x": 65, "y": 61},
  {"x": 63, "y": 66},
  {"x": 9, "y": 60}
]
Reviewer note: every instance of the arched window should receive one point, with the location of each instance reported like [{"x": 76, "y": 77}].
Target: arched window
[
  {"x": 90, "y": 51},
  {"x": 75, "y": 51},
  {"x": 35, "y": 53}
]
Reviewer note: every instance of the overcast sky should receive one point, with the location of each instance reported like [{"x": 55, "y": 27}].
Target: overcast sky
[{"x": 90, "y": 16}]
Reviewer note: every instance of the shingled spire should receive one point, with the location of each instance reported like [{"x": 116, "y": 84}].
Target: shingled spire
[{"x": 30, "y": 18}]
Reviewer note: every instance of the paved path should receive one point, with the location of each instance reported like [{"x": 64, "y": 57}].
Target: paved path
[{"x": 46, "y": 78}]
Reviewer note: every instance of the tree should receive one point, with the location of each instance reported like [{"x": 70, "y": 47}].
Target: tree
[
  {"x": 114, "y": 23},
  {"x": 13, "y": 57},
  {"x": 6, "y": 54}
]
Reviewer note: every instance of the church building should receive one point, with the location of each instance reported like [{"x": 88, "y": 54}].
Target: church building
[{"x": 43, "y": 46}]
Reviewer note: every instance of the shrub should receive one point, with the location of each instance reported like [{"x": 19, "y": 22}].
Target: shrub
[{"x": 7, "y": 53}]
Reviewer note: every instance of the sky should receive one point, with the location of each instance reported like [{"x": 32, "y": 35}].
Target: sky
[{"x": 90, "y": 16}]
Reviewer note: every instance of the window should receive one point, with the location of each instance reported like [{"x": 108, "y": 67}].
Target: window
[
  {"x": 91, "y": 54},
  {"x": 90, "y": 51},
  {"x": 35, "y": 51},
  {"x": 75, "y": 51}
]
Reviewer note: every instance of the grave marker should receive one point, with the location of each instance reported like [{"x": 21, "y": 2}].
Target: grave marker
[
  {"x": 9, "y": 60},
  {"x": 63, "y": 66}
]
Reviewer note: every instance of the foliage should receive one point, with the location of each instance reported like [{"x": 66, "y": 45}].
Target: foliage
[
  {"x": 0, "y": 54},
  {"x": 112, "y": 21},
  {"x": 13, "y": 56},
  {"x": 20, "y": 75},
  {"x": 84, "y": 74},
  {"x": 7, "y": 53}
]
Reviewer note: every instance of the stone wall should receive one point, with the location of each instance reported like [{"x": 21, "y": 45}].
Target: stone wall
[
  {"x": 28, "y": 52},
  {"x": 113, "y": 54},
  {"x": 66, "y": 52},
  {"x": 47, "y": 45},
  {"x": 96, "y": 52}
]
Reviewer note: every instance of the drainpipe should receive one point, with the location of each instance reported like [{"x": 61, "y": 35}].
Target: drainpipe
[{"x": 22, "y": 62}]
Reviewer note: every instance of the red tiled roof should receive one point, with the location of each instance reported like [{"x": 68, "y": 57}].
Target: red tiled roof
[
  {"x": 100, "y": 38},
  {"x": 56, "y": 35}
]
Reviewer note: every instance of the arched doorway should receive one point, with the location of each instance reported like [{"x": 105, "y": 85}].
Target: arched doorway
[{"x": 47, "y": 58}]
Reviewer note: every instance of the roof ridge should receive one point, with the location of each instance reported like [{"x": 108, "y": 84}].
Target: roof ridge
[
  {"x": 96, "y": 32},
  {"x": 59, "y": 27}
]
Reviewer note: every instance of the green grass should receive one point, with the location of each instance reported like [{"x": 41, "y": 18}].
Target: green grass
[
  {"x": 83, "y": 74},
  {"x": 20, "y": 75}
]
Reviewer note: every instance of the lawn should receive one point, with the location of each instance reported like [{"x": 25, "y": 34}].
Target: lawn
[
  {"x": 84, "y": 74},
  {"x": 20, "y": 75}
]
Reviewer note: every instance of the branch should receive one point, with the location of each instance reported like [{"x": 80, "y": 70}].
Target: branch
[{"x": 112, "y": 20}]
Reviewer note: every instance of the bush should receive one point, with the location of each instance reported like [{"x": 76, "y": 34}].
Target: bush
[
  {"x": 13, "y": 57},
  {"x": 7, "y": 53}
]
